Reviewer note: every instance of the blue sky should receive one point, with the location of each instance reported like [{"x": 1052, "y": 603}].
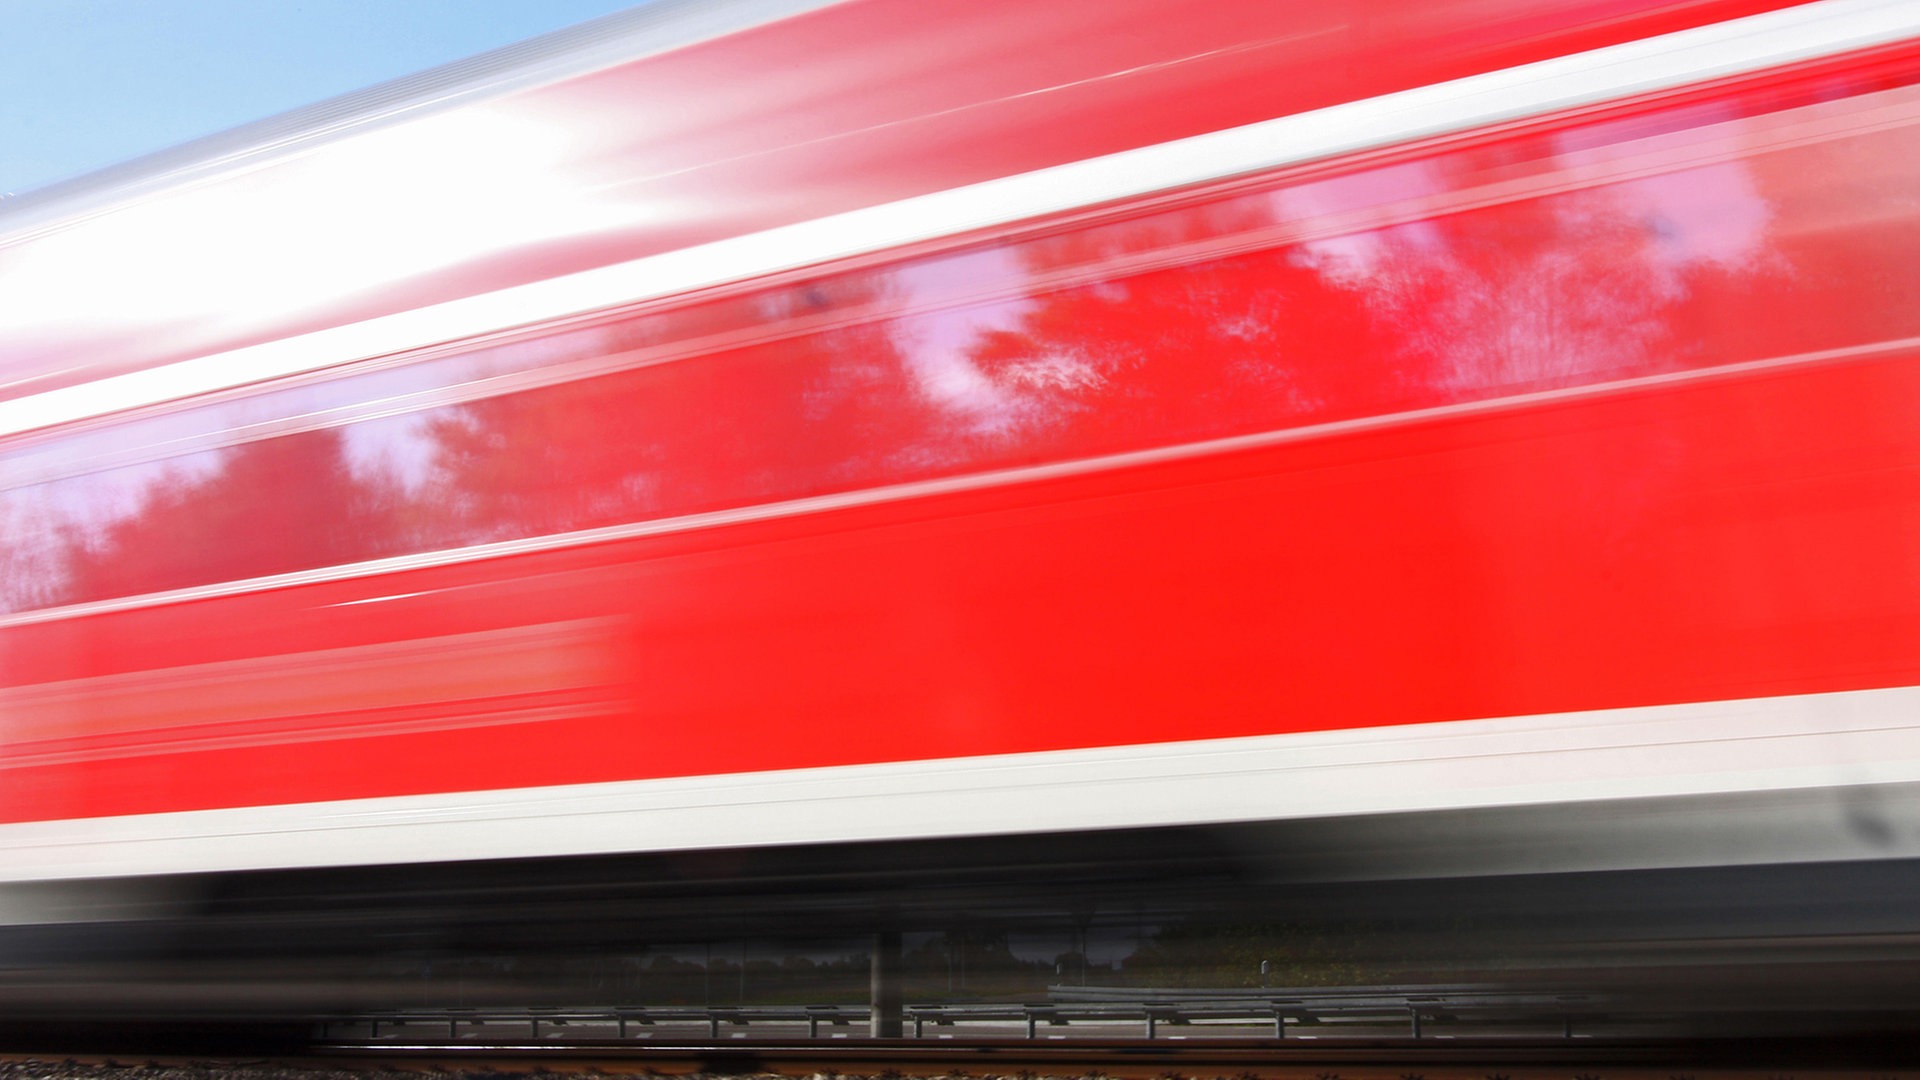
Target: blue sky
[{"x": 87, "y": 83}]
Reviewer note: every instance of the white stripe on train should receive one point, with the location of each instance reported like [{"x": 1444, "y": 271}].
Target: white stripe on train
[{"x": 1815, "y": 763}]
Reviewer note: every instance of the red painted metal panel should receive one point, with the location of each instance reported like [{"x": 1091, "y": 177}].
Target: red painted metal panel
[
  {"x": 1737, "y": 536},
  {"x": 1726, "y": 227},
  {"x": 1735, "y": 516},
  {"x": 849, "y": 106}
]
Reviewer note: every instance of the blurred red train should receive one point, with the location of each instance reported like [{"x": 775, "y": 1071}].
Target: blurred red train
[{"x": 772, "y": 423}]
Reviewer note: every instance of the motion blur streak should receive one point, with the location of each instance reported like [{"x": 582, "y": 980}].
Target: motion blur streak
[
  {"x": 519, "y": 173},
  {"x": 1096, "y": 491}
]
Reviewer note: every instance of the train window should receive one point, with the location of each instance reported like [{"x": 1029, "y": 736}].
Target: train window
[{"x": 1771, "y": 224}]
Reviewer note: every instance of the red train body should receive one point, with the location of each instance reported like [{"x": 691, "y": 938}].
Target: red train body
[{"x": 878, "y": 422}]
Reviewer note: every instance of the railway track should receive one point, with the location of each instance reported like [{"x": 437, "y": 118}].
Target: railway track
[
  {"x": 1360, "y": 1037},
  {"x": 1150, "y": 1014},
  {"x": 1356, "y": 1059},
  {"x": 1886, "y": 1058},
  {"x": 1124, "y": 1016}
]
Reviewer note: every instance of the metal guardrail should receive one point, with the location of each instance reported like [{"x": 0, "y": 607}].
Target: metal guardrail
[
  {"x": 1154, "y": 1008},
  {"x": 546, "y": 1023},
  {"x": 1152, "y": 1014},
  {"x": 1415, "y": 1005}
]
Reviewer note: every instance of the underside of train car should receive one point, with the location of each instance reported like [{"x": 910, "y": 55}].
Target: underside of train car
[
  {"x": 1674, "y": 938},
  {"x": 1070, "y": 495}
]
